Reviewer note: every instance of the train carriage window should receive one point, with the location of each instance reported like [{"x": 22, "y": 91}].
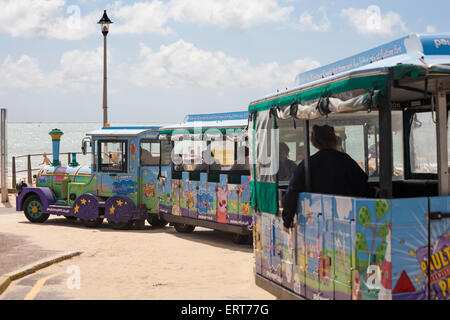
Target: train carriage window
[
  {"x": 112, "y": 156},
  {"x": 358, "y": 136},
  {"x": 291, "y": 149},
  {"x": 165, "y": 153},
  {"x": 150, "y": 152},
  {"x": 422, "y": 143},
  {"x": 231, "y": 156},
  {"x": 94, "y": 157},
  {"x": 214, "y": 155},
  {"x": 188, "y": 156}
]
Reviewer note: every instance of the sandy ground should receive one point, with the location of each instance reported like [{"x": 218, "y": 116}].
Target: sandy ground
[{"x": 141, "y": 264}]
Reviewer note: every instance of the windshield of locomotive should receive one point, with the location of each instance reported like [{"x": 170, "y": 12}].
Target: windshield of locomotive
[{"x": 357, "y": 134}]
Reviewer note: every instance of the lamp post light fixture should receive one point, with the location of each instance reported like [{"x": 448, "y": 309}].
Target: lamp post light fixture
[{"x": 104, "y": 24}]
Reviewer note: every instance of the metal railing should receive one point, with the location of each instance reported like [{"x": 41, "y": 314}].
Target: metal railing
[{"x": 29, "y": 170}]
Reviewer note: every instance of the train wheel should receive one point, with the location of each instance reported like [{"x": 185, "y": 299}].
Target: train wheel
[
  {"x": 242, "y": 239},
  {"x": 33, "y": 210},
  {"x": 183, "y": 228},
  {"x": 93, "y": 223},
  {"x": 121, "y": 225},
  {"x": 156, "y": 222}
]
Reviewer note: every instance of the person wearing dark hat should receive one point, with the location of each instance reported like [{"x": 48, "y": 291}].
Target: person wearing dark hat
[
  {"x": 287, "y": 166},
  {"x": 332, "y": 172}
]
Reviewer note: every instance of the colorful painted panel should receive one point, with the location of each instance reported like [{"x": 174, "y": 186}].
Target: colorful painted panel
[
  {"x": 362, "y": 249},
  {"x": 277, "y": 249},
  {"x": 189, "y": 203},
  {"x": 409, "y": 238},
  {"x": 164, "y": 190},
  {"x": 222, "y": 200},
  {"x": 372, "y": 250},
  {"x": 343, "y": 233},
  {"x": 244, "y": 201},
  {"x": 312, "y": 213},
  {"x": 267, "y": 246},
  {"x": 148, "y": 188},
  {"x": 239, "y": 207},
  {"x": 287, "y": 242},
  {"x": 176, "y": 187},
  {"x": 233, "y": 204},
  {"x": 205, "y": 199},
  {"x": 300, "y": 267},
  {"x": 440, "y": 251},
  {"x": 257, "y": 243},
  {"x": 327, "y": 265},
  {"x": 184, "y": 190}
]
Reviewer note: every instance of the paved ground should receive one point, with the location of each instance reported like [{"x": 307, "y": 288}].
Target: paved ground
[{"x": 134, "y": 264}]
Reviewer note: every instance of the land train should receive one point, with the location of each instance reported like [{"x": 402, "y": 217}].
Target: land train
[
  {"x": 390, "y": 105},
  {"x": 133, "y": 177}
]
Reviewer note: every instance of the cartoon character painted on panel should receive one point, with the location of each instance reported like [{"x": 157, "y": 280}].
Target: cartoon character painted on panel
[
  {"x": 149, "y": 190},
  {"x": 245, "y": 209},
  {"x": 386, "y": 270},
  {"x": 190, "y": 200},
  {"x": 222, "y": 205}
]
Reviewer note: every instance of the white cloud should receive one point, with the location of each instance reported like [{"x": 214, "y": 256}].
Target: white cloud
[
  {"x": 179, "y": 65},
  {"x": 153, "y": 17},
  {"x": 182, "y": 65},
  {"x": 431, "y": 29},
  {"x": 46, "y": 19},
  {"x": 372, "y": 21},
  {"x": 141, "y": 17},
  {"x": 59, "y": 20},
  {"x": 229, "y": 13},
  {"x": 23, "y": 73},
  {"x": 79, "y": 71},
  {"x": 307, "y": 22}
]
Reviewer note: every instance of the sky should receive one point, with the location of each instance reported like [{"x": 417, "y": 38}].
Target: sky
[{"x": 167, "y": 59}]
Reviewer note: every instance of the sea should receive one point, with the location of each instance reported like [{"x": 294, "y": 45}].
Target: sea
[{"x": 33, "y": 138}]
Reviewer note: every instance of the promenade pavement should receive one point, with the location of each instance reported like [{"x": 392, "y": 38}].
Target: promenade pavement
[{"x": 153, "y": 263}]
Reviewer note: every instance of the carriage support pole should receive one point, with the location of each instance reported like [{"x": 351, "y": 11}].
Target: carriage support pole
[
  {"x": 386, "y": 157},
  {"x": 442, "y": 147},
  {"x": 306, "y": 140}
]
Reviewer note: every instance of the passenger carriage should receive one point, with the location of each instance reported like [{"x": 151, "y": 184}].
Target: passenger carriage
[
  {"x": 390, "y": 107},
  {"x": 204, "y": 177}
]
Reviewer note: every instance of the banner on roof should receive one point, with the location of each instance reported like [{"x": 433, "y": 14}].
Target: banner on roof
[{"x": 217, "y": 116}]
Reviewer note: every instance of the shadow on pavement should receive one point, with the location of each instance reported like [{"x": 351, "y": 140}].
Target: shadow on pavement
[
  {"x": 16, "y": 252},
  {"x": 206, "y": 236}
]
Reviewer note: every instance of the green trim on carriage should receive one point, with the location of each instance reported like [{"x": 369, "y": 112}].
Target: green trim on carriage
[
  {"x": 266, "y": 197},
  {"x": 353, "y": 83},
  {"x": 194, "y": 131},
  {"x": 412, "y": 71}
]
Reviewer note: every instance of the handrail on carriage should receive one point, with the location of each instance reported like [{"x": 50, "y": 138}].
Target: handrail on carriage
[{"x": 29, "y": 168}]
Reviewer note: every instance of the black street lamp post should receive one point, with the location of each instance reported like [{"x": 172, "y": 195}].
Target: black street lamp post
[{"x": 104, "y": 23}]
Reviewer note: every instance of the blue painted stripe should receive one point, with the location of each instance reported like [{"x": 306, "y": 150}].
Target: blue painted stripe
[
  {"x": 388, "y": 50},
  {"x": 130, "y": 128},
  {"x": 217, "y": 116}
]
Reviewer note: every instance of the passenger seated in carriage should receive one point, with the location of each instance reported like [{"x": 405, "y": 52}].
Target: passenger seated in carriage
[{"x": 332, "y": 172}]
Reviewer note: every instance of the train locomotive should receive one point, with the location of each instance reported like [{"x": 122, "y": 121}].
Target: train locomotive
[{"x": 110, "y": 188}]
